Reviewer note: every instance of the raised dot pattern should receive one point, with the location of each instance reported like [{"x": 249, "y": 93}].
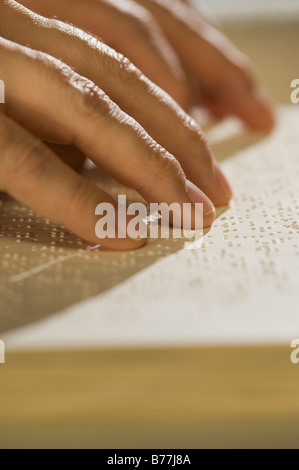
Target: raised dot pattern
[{"x": 253, "y": 243}]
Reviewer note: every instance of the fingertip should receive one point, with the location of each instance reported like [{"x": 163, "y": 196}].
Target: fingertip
[
  {"x": 127, "y": 244},
  {"x": 258, "y": 112},
  {"x": 122, "y": 237},
  {"x": 209, "y": 217},
  {"x": 226, "y": 189},
  {"x": 265, "y": 120},
  {"x": 118, "y": 244},
  {"x": 199, "y": 197}
]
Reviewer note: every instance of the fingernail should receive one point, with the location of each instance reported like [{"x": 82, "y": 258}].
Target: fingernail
[
  {"x": 223, "y": 183},
  {"x": 197, "y": 196}
]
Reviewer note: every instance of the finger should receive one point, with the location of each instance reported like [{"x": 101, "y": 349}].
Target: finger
[
  {"x": 137, "y": 96},
  {"x": 240, "y": 96},
  {"x": 131, "y": 30},
  {"x": 35, "y": 176},
  {"x": 221, "y": 69},
  {"x": 78, "y": 113}
]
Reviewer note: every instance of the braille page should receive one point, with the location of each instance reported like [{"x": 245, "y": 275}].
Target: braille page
[{"x": 241, "y": 286}]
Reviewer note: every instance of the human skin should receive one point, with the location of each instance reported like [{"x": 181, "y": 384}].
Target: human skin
[
  {"x": 96, "y": 100},
  {"x": 177, "y": 48}
]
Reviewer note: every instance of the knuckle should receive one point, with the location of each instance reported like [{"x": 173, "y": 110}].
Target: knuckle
[
  {"x": 125, "y": 70},
  {"x": 162, "y": 165},
  {"x": 87, "y": 99},
  {"x": 161, "y": 168}
]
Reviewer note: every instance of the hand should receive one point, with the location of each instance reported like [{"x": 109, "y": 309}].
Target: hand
[
  {"x": 169, "y": 40},
  {"x": 55, "y": 104}
]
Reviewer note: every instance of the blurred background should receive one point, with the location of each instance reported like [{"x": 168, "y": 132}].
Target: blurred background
[
  {"x": 237, "y": 8},
  {"x": 267, "y": 31}
]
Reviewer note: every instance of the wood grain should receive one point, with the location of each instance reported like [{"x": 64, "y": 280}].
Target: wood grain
[{"x": 152, "y": 398}]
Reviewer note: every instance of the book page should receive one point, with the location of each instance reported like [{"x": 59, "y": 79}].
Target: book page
[{"x": 240, "y": 287}]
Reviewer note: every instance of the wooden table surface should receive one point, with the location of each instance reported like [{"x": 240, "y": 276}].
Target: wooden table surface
[{"x": 151, "y": 398}]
